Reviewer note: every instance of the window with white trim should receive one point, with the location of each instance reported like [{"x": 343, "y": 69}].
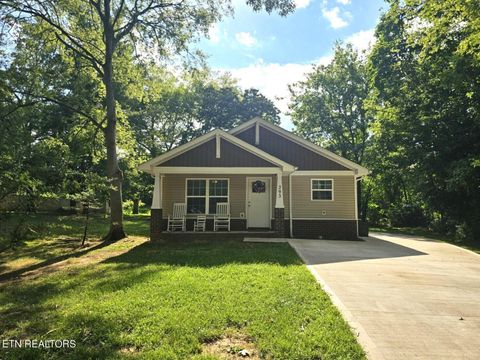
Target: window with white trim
[
  {"x": 204, "y": 194},
  {"x": 322, "y": 189}
]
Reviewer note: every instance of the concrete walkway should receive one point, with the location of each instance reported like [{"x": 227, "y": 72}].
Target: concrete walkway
[{"x": 406, "y": 297}]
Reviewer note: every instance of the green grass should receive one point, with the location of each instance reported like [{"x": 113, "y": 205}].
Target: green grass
[
  {"x": 52, "y": 236},
  {"x": 164, "y": 300},
  {"x": 427, "y": 233}
]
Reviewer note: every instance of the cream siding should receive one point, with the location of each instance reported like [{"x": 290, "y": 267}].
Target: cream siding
[
  {"x": 174, "y": 191},
  {"x": 342, "y": 206}
]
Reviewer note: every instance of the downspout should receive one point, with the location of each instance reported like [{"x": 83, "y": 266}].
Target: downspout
[
  {"x": 290, "y": 205},
  {"x": 356, "y": 179}
]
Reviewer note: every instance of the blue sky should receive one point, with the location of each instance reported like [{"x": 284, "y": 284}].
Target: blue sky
[{"x": 269, "y": 51}]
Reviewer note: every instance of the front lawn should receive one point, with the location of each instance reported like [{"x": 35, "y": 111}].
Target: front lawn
[
  {"x": 175, "y": 300},
  {"x": 48, "y": 237}
]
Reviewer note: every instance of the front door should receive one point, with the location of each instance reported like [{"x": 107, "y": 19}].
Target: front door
[{"x": 258, "y": 202}]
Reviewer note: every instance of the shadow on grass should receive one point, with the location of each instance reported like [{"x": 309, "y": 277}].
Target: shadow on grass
[
  {"x": 18, "y": 273},
  {"x": 95, "y": 337},
  {"x": 36, "y": 307},
  {"x": 208, "y": 253}
]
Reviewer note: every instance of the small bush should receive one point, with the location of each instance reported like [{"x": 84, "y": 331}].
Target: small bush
[
  {"x": 128, "y": 206},
  {"x": 408, "y": 215}
]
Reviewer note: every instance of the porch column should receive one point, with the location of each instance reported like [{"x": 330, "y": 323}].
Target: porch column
[
  {"x": 156, "y": 212},
  {"x": 279, "y": 216}
]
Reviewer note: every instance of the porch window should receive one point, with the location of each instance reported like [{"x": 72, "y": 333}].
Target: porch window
[
  {"x": 218, "y": 192},
  {"x": 204, "y": 194},
  {"x": 196, "y": 195},
  {"x": 322, "y": 189}
]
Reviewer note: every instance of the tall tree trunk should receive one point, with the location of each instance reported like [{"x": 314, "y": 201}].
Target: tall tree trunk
[
  {"x": 113, "y": 170},
  {"x": 136, "y": 203},
  {"x": 85, "y": 228}
]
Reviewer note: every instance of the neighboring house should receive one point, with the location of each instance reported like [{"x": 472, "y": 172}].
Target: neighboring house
[{"x": 271, "y": 178}]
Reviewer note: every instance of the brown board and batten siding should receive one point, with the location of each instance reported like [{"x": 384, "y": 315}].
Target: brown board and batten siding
[
  {"x": 288, "y": 150},
  {"x": 231, "y": 155},
  {"x": 342, "y": 206}
]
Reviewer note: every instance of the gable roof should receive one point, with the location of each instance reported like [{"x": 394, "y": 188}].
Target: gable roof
[
  {"x": 179, "y": 150},
  {"x": 359, "y": 170}
]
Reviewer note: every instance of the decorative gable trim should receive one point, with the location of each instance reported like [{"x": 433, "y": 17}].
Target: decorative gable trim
[
  {"x": 358, "y": 169},
  {"x": 217, "y": 134}
]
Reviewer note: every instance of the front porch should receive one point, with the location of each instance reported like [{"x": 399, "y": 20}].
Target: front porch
[{"x": 255, "y": 198}]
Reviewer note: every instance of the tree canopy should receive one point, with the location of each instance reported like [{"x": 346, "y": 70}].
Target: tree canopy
[
  {"x": 409, "y": 111},
  {"x": 98, "y": 32}
]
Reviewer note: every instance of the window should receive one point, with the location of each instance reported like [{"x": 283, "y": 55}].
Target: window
[
  {"x": 322, "y": 189},
  {"x": 218, "y": 192},
  {"x": 259, "y": 187},
  {"x": 196, "y": 195},
  {"x": 204, "y": 194}
]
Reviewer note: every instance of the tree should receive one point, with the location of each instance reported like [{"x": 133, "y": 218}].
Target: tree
[
  {"x": 163, "y": 114},
  {"x": 329, "y": 106},
  {"x": 97, "y": 29},
  {"x": 254, "y": 103},
  {"x": 424, "y": 72},
  {"x": 221, "y": 104},
  {"x": 171, "y": 112}
]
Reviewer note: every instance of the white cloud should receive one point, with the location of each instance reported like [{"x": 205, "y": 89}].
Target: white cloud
[
  {"x": 214, "y": 33},
  {"x": 245, "y": 38},
  {"x": 301, "y": 4},
  {"x": 272, "y": 79},
  {"x": 335, "y": 18},
  {"x": 344, "y": 2},
  {"x": 362, "y": 40}
]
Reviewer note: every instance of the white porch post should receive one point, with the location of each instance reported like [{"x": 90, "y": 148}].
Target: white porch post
[
  {"x": 157, "y": 192},
  {"x": 279, "y": 193}
]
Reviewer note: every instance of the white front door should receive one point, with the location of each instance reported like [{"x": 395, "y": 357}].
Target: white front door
[{"x": 258, "y": 202}]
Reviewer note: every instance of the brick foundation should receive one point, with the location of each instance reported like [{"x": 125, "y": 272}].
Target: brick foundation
[
  {"x": 156, "y": 224},
  {"x": 325, "y": 229},
  {"x": 279, "y": 221}
]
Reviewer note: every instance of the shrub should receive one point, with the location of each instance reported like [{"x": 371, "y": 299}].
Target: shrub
[{"x": 407, "y": 215}]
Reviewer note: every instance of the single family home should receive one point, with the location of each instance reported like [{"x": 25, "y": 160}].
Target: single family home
[{"x": 266, "y": 177}]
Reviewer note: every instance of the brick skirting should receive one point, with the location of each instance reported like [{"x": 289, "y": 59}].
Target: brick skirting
[
  {"x": 279, "y": 222},
  {"x": 325, "y": 229},
  {"x": 307, "y": 229},
  {"x": 156, "y": 224}
]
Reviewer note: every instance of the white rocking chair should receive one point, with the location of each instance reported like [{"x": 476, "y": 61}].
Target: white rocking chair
[
  {"x": 199, "y": 224},
  {"x": 221, "y": 219},
  {"x": 177, "y": 220}
]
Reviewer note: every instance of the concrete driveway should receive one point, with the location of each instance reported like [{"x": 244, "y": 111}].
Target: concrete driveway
[{"x": 406, "y": 297}]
